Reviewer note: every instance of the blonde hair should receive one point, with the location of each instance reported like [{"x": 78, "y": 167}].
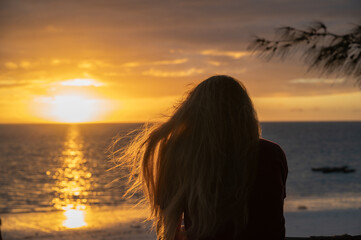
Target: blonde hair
[{"x": 201, "y": 161}]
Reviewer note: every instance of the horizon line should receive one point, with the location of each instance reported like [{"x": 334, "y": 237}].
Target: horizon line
[{"x": 143, "y": 122}]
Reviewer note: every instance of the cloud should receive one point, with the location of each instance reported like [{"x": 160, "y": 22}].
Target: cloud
[
  {"x": 52, "y": 29},
  {"x": 55, "y": 61},
  {"x": 232, "y": 54},
  {"x": 317, "y": 80},
  {"x": 85, "y": 65},
  {"x": 171, "y": 62},
  {"x": 11, "y": 65},
  {"x": 120, "y": 41},
  {"x": 81, "y": 83},
  {"x": 155, "y": 63},
  {"x": 215, "y": 63},
  {"x": 19, "y": 83},
  {"x": 130, "y": 64},
  {"x": 183, "y": 73},
  {"x": 11, "y": 84},
  {"x": 21, "y": 64},
  {"x": 25, "y": 64}
]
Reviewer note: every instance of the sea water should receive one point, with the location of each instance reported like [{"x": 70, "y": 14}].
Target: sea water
[{"x": 47, "y": 167}]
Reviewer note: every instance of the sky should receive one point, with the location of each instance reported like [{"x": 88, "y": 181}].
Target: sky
[{"x": 134, "y": 60}]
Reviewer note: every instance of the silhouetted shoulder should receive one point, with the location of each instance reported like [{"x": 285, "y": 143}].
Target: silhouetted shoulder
[
  {"x": 270, "y": 146},
  {"x": 271, "y": 150},
  {"x": 272, "y": 156},
  {"x": 266, "y": 220}
]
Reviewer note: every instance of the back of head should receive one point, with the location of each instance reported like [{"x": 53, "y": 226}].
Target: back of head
[
  {"x": 221, "y": 104},
  {"x": 202, "y": 161}
]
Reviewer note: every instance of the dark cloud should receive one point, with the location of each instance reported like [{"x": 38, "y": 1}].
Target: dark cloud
[
  {"x": 12, "y": 85},
  {"x": 121, "y": 31},
  {"x": 173, "y": 19}
]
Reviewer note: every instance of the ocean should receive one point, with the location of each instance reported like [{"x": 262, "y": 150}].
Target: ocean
[{"x": 49, "y": 167}]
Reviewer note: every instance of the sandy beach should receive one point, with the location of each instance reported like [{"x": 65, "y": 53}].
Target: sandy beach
[{"x": 127, "y": 222}]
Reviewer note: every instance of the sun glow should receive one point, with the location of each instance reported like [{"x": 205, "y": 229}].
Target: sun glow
[
  {"x": 72, "y": 109},
  {"x": 74, "y": 218},
  {"x": 81, "y": 83}
]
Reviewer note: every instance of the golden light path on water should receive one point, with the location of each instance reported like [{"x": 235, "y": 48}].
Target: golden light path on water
[{"x": 72, "y": 181}]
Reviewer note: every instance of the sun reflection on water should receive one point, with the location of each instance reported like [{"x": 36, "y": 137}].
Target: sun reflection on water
[
  {"x": 74, "y": 218},
  {"x": 73, "y": 181}
]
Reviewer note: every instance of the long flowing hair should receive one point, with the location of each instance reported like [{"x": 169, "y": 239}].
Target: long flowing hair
[{"x": 201, "y": 161}]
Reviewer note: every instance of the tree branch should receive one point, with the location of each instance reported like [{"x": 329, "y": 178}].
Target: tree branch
[{"x": 323, "y": 51}]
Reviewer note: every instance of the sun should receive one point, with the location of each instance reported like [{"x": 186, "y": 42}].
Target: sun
[{"x": 73, "y": 109}]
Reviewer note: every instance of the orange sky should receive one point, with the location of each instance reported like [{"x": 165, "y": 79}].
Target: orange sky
[{"x": 126, "y": 61}]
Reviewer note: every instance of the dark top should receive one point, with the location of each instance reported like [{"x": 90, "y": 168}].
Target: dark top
[{"x": 266, "y": 220}]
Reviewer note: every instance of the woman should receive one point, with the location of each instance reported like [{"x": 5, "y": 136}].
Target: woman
[{"x": 208, "y": 166}]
